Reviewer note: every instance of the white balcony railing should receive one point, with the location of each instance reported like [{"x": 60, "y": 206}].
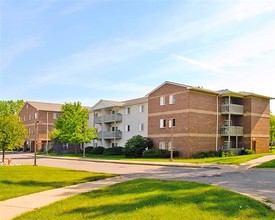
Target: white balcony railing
[
  {"x": 110, "y": 134},
  {"x": 110, "y": 118}
]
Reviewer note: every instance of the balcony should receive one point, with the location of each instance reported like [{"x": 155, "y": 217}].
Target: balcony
[
  {"x": 232, "y": 109},
  {"x": 110, "y": 135},
  {"x": 232, "y": 131},
  {"x": 110, "y": 118}
]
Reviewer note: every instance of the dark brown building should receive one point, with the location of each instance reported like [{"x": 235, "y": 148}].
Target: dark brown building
[
  {"x": 39, "y": 119},
  {"x": 199, "y": 120}
]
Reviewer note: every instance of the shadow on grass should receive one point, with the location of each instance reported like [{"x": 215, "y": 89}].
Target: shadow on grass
[{"x": 136, "y": 195}]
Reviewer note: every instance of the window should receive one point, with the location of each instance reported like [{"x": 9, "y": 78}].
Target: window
[
  {"x": 127, "y": 128},
  {"x": 56, "y": 115},
  {"x": 141, "y": 127},
  {"x": 30, "y": 117},
  {"x": 24, "y": 118},
  {"x": 141, "y": 108},
  {"x": 172, "y": 122},
  {"x": 27, "y": 106},
  {"x": 162, "y": 145},
  {"x": 35, "y": 115},
  {"x": 162, "y": 100},
  {"x": 114, "y": 144},
  {"x": 171, "y": 99},
  {"x": 127, "y": 111},
  {"x": 162, "y": 123}
]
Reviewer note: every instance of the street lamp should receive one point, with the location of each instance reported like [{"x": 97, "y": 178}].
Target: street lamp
[
  {"x": 171, "y": 125},
  {"x": 35, "y": 142}
]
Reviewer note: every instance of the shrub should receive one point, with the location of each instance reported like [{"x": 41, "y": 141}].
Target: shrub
[
  {"x": 98, "y": 150},
  {"x": 207, "y": 154},
  {"x": 114, "y": 151},
  {"x": 136, "y": 145},
  {"x": 88, "y": 150},
  {"x": 159, "y": 153},
  {"x": 246, "y": 152}
]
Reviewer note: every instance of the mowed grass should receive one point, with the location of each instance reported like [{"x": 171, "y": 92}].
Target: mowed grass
[
  {"x": 22, "y": 180},
  {"x": 269, "y": 164},
  {"x": 214, "y": 160},
  {"x": 155, "y": 199}
]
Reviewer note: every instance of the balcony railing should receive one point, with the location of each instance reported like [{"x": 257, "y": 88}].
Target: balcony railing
[
  {"x": 232, "y": 131},
  {"x": 232, "y": 109},
  {"x": 110, "y": 134},
  {"x": 110, "y": 118}
]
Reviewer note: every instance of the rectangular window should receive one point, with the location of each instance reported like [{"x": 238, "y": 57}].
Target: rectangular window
[
  {"x": 172, "y": 122},
  {"x": 171, "y": 99},
  {"x": 141, "y": 127},
  {"x": 162, "y": 100},
  {"x": 35, "y": 115},
  {"x": 24, "y": 118},
  {"x": 127, "y": 111},
  {"x": 127, "y": 128},
  {"x": 162, "y": 123},
  {"x": 30, "y": 117},
  {"x": 141, "y": 109},
  {"x": 56, "y": 115},
  {"x": 162, "y": 145}
]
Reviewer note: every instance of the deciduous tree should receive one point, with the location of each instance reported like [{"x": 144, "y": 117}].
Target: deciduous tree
[
  {"x": 72, "y": 126},
  {"x": 12, "y": 132}
]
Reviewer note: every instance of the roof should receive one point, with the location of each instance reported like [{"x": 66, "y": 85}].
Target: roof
[
  {"x": 224, "y": 92},
  {"x": 43, "y": 106},
  {"x": 101, "y": 104}
]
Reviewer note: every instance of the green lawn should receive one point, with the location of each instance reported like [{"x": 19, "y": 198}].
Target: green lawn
[
  {"x": 215, "y": 160},
  {"x": 269, "y": 164},
  {"x": 155, "y": 199},
  {"x": 22, "y": 180}
]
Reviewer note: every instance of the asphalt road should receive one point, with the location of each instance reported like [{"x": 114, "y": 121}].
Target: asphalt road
[{"x": 257, "y": 183}]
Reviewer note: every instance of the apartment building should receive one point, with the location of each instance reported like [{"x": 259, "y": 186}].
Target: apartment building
[
  {"x": 194, "y": 119},
  {"x": 39, "y": 118},
  {"x": 116, "y": 122}
]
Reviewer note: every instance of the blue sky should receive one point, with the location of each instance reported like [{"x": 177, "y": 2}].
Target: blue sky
[{"x": 86, "y": 50}]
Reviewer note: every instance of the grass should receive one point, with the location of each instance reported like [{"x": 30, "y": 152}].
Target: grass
[
  {"x": 269, "y": 164},
  {"x": 215, "y": 160},
  {"x": 155, "y": 199},
  {"x": 22, "y": 180}
]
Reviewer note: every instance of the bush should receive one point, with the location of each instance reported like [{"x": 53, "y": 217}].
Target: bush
[
  {"x": 98, "y": 150},
  {"x": 88, "y": 150},
  {"x": 246, "y": 152},
  {"x": 207, "y": 154},
  {"x": 136, "y": 145},
  {"x": 114, "y": 151},
  {"x": 219, "y": 153},
  {"x": 159, "y": 153}
]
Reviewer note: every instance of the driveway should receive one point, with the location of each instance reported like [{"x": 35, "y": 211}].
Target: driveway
[{"x": 257, "y": 183}]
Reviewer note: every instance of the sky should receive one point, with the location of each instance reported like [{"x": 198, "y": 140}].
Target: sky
[{"x": 86, "y": 50}]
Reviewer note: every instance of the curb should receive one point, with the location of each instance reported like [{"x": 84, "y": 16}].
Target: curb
[{"x": 135, "y": 162}]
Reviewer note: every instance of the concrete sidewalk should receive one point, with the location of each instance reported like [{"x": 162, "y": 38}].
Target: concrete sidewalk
[
  {"x": 13, "y": 207},
  {"x": 258, "y": 161}
]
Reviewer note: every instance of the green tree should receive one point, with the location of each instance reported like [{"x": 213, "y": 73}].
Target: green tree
[
  {"x": 72, "y": 126},
  {"x": 12, "y": 131},
  {"x": 136, "y": 145},
  {"x": 272, "y": 129}
]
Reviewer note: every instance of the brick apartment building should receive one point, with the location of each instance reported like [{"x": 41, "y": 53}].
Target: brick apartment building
[
  {"x": 197, "y": 119},
  {"x": 39, "y": 118},
  {"x": 116, "y": 122}
]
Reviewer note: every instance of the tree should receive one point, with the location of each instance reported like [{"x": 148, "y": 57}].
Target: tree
[
  {"x": 136, "y": 145},
  {"x": 12, "y": 132},
  {"x": 272, "y": 129},
  {"x": 72, "y": 126}
]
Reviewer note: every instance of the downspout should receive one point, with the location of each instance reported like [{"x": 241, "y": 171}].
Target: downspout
[{"x": 217, "y": 120}]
